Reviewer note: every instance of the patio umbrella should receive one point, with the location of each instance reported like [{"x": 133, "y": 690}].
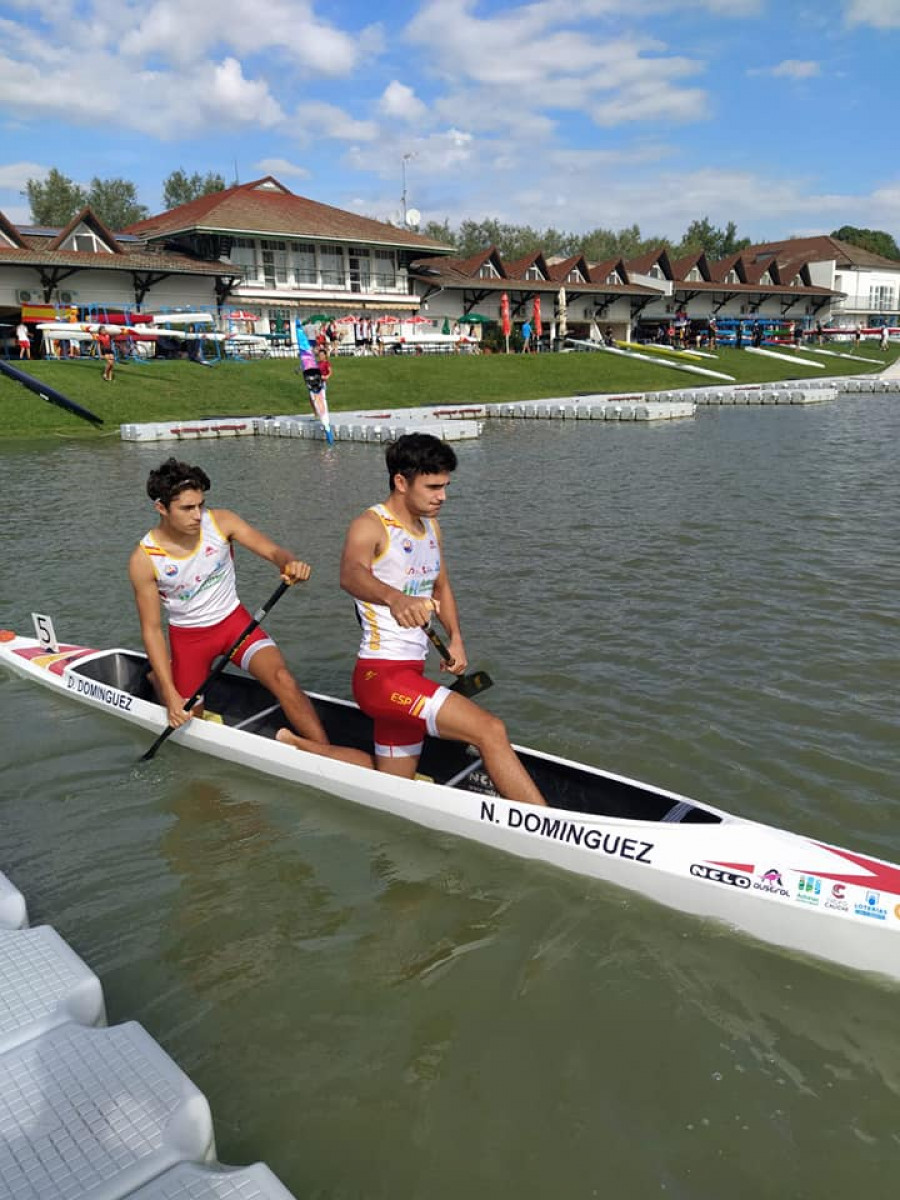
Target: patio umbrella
[
  {"x": 562, "y": 313},
  {"x": 318, "y": 319},
  {"x": 241, "y": 314},
  {"x": 348, "y": 320},
  {"x": 416, "y": 320},
  {"x": 475, "y": 319},
  {"x": 445, "y": 328},
  {"x": 538, "y": 328},
  {"x": 505, "y": 324}
]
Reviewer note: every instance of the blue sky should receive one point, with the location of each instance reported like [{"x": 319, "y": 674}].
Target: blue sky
[{"x": 778, "y": 114}]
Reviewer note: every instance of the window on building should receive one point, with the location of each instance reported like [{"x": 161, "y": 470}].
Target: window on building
[
  {"x": 488, "y": 271},
  {"x": 243, "y": 256},
  {"x": 881, "y": 297},
  {"x": 274, "y": 262},
  {"x": 359, "y": 263},
  {"x": 765, "y": 277},
  {"x": 385, "y": 270},
  {"x": 693, "y": 275},
  {"x": 85, "y": 239},
  {"x": 534, "y": 272},
  {"x": 656, "y": 272},
  {"x": 613, "y": 277},
  {"x": 304, "y": 259},
  {"x": 732, "y": 276},
  {"x": 575, "y": 276},
  {"x": 331, "y": 263}
]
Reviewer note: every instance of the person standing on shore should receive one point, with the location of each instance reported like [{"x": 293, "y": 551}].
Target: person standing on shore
[
  {"x": 526, "y": 337},
  {"x": 393, "y": 566},
  {"x": 106, "y": 351},
  {"x": 186, "y": 565},
  {"x": 23, "y": 340}
]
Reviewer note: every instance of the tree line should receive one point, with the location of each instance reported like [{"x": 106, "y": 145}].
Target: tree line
[{"x": 55, "y": 199}]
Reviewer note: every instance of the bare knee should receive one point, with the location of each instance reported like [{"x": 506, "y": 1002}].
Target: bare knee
[{"x": 491, "y": 732}]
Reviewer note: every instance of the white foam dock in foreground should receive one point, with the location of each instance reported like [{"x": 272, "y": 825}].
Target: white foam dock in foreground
[
  {"x": 13, "y": 911},
  {"x": 449, "y": 424},
  {"x": 94, "y": 1113}
]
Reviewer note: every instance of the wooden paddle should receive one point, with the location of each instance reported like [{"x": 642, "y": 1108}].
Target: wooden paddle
[
  {"x": 466, "y": 685},
  {"x": 220, "y": 665}
]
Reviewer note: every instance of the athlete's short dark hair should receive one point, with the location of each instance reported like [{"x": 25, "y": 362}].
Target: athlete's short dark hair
[
  {"x": 418, "y": 454},
  {"x": 173, "y": 478}
]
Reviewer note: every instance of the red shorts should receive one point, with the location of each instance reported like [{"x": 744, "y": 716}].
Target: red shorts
[
  {"x": 403, "y": 704},
  {"x": 193, "y": 650}
]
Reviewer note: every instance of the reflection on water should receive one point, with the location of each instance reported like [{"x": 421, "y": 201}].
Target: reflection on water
[{"x": 382, "y": 1011}]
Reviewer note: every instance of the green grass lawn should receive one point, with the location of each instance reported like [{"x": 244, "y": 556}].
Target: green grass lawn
[{"x": 181, "y": 391}]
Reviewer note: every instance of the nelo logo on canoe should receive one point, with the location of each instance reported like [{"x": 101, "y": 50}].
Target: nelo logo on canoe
[{"x": 721, "y": 875}]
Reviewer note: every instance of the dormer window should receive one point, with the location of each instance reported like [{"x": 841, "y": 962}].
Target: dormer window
[
  {"x": 797, "y": 281},
  {"x": 732, "y": 276},
  {"x": 83, "y": 238},
  {"x": 488, "y": 271},
  {"x": 693, "y": 275},
  {"x": 574, "y": 276},
  {"x": 765, "y": 277},
  {"x": 613, "y": 278},
  {"x": 533, "y": 272},
  {"x": 656, "y": 272}
]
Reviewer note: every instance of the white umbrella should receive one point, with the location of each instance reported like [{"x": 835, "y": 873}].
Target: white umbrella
[
  {"x": 561, "y": 314},
  {"x": 594, "y": 334}
]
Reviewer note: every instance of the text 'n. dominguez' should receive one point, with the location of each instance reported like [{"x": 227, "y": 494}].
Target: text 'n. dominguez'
[{"x": 572, "y": 833}]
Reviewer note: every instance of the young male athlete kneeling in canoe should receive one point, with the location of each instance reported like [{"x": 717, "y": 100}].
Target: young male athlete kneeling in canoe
[
  {"x": 394, "y": 568},
  {"x": 186, "y": 564}
]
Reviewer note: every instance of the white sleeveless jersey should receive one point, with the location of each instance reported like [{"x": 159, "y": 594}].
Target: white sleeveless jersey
[
  {"x": 411, "y": 563},
  {"x": 197, "y": 589}
]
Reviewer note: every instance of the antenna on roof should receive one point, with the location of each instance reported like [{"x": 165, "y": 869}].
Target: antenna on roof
[{"x": 236, "y": 178}]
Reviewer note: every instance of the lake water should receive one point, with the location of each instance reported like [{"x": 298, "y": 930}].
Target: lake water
[{"x": 380, "y": 1011}]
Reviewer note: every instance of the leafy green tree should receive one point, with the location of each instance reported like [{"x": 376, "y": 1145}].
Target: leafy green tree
[
  {"x": 115, "y": 202},
  {"x": 715, "y": 242},
  {"x": 875, "y": 240},
  {"x": 55, "y": 200},
  {"x": 439, "y": 231},
  {"x": 181, "y": 188}
]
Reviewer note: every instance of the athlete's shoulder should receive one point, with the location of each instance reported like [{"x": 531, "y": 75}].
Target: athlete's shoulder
[{"x": 224, "y": 520}]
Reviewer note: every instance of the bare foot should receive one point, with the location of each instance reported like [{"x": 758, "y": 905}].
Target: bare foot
[{"x": 358, "y": 758}]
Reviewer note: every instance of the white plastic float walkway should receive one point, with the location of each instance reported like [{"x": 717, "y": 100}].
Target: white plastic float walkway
[
  {"x": 89, "y": 1112},
  {"x": 467, "y": 421}
]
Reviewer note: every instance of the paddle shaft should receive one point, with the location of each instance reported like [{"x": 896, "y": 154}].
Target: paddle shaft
[
  {"x": 466, "y": 685},
  {"x": 222, "y": 663}
]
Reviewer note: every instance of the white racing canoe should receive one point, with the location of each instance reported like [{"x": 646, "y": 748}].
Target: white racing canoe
[{"x": 792, "y": 891}]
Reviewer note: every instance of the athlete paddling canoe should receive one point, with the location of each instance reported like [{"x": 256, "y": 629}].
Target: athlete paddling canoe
[
  {"x": 393, "y": 566},
  {"x": 186, "y": 565}
]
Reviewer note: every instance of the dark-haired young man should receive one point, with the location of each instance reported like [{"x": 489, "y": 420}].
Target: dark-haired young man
[
  {"x": 394, "y": 568},
  {"x": 186, "y": 565}
]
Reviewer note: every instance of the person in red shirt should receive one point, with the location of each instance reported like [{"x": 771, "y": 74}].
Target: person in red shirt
[
  {"x": 325, "y": 368},
  {"x": 106, "y": 351}
]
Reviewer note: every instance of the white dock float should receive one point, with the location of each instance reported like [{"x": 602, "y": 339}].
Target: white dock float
[
  {"x": 91, "y": 1113},
  {"x": 95, "y": 1113},
  {"x": 13, "y": 910},
  {"x": 347, "y": 427},
  {"x": 43, "y": 983},
  {"x": 643, "y": 407},
  {"x": 190, "y": 1182}
]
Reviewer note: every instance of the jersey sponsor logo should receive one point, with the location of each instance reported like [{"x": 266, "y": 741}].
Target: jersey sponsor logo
[
  {"x": 407, "y": 546},
  {"x": 170, "y": 569}
]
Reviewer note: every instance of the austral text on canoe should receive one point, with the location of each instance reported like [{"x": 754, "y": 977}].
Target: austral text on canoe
[{"x": 572, "y": 832}]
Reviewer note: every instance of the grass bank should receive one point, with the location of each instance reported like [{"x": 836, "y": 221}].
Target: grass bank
[{"x": 167, "y": 391}]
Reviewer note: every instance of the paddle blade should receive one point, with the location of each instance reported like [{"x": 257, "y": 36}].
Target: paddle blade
[{"x": 472, "y": 684}]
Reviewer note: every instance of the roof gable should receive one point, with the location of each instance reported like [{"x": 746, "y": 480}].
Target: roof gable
[
  {"x": 87, "y": 220},
  {"x": 560, "y": 271},
  {"x": 692, "y": 264},
  {"x": 9, "y": 235},
  {"x": 520, "y": 267},
  {"x": 603, "y": 272},
  {"x": 644, "y": 263}
]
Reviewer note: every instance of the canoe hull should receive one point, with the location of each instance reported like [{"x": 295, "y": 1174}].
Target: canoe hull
[{"x": 784, "y": 889}]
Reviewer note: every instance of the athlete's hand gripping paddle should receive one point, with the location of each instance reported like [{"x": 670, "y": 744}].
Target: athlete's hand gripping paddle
[
  {"x": 220, "y": 666},
  {"x": 466, "y": 685}
]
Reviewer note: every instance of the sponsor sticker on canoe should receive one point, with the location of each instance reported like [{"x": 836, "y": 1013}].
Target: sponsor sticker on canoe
[
  {"x": 770, "y": 881},
  {"x": 871, "y": 907},
  {"x": 100, "y": 691},
  {"x": 809, "y": 889},
  {"x": 837, "y": 898},
  {"x": 721, "y": 875},
  {"x": 572, "y": 833}
]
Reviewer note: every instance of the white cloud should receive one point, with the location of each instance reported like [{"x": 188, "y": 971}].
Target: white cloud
[
  {"x": 401, "y": 102},
  {"x": 320, "y": 120},
  {"x": 14, "y": 176},
  {"x": 281, "y": 166},
  {"x": 790, "y": 68},
  {"x": 883, "y": 14}
]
